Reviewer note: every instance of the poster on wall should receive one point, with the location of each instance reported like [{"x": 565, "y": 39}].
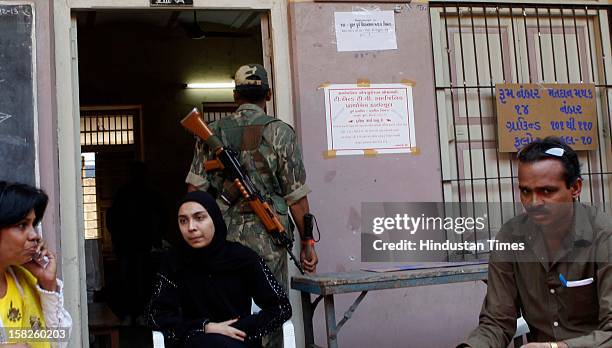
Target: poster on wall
[
  {"x": 365, "y": 31},
  {"x": 527, "y": 112},
  {"x": 377, "y": 118}
]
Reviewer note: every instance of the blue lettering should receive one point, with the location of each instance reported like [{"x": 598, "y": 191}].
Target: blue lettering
[
  {"x": 570, "y": 109},
  {"x": 528, "y": 93},
  {"x": 571, "y": 124},
  {"x": 522, "y": 141},
  {"x": 522, "y": 109},
  {"x": 501, "y": 95},
  {"x": 522, "y": 125},
  {"x": 556, "y": 125},
  {"x": 583, "y": 93},
  {"x": 584, "y": 125},
  {"x": 567, "y": 139},
  {"x": 559, "y": 93}
]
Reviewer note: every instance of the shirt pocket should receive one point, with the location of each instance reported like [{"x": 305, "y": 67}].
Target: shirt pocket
[{"x": 580, "y": 303}]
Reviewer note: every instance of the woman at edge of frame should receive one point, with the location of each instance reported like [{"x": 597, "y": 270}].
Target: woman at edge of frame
[{"x": 32, "y": 312}]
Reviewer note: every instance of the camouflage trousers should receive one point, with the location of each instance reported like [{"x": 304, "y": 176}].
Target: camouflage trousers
[{"x": 251, "y": 233}]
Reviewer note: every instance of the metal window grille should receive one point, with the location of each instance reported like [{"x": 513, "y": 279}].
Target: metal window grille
[
  {"x": 110, "y": 138},
  {"x": 90, "y": 206},
  {"x": 216, "y": 111},
  {"x": 477, "y": 45},
  {"x": 106, "y": 128}
]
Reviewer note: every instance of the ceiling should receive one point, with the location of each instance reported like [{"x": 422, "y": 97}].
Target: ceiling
[{"x": 231, "y": 19}]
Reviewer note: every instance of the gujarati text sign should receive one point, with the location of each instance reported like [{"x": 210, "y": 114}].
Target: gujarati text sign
[
  {"x": 527, "y": 112},
  {"x": 376, "y": 117},
  {"x": 365, "y": 31}
]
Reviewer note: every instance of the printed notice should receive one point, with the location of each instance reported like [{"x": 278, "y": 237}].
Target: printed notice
[
  {"x": 378, "y": 117},
  {"x": 527, "y": 112},
  {"x": 365, "y": 31}
]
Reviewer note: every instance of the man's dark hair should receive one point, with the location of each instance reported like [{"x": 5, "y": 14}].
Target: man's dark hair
[
  {"x": 540, "y": 150},
  {"x": 252, "y": 94},
  {"x": 17, "y": 200}
]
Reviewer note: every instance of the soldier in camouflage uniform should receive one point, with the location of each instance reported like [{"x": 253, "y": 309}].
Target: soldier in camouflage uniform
[{"x": 269, "y": 152}]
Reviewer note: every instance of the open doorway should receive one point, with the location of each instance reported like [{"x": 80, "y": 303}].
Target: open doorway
[{"x": 138, "y": 63}]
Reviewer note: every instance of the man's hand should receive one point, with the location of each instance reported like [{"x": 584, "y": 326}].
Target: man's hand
[
  {"x": 544, "y": 345},
  {"x": 308, "y": 258},
  {"x": 226, "y": 329}
]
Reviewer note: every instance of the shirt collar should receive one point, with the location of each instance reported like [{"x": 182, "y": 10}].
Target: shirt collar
[
  {"x": 583, "y": 228},
  {"x": 251, "y": 107},
  {"x": 581, "y": 232}
]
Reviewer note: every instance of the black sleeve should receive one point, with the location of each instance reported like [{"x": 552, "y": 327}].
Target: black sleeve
[
  {"x": 164, "y": 312},
  {"x": 269, "y": 295}
]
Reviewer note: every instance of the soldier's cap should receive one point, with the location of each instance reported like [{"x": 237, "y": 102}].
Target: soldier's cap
[{"x": 251, "y": 76}]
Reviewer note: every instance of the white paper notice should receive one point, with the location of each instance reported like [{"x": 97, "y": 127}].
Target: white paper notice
[
  {"x": 365, "y": 31},
  {"x": 379, "y": 117}
]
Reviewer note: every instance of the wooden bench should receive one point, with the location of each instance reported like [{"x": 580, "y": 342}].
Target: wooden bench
[
  {"x": 102, "y": 322},
  {"x": 328, "y": 284}
]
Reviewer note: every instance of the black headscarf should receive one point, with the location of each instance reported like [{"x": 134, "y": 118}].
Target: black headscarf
[{"x": 220, "y": 255}]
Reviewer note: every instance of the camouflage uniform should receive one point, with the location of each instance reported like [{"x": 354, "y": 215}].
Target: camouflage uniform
[{"x": 269, "y": 152}]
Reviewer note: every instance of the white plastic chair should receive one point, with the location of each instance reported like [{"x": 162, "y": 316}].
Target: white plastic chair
[
  {"x": 521, "y": 329},
  {"x": 288, "y": 332}
]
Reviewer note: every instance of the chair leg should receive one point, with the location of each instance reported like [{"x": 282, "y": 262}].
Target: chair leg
[
  {"x": 518, "y": 342},
  {"x": 114, "y": 336}
]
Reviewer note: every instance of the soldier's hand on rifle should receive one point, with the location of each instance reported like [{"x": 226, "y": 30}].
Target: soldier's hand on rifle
[{"x": 308, "y": 257}]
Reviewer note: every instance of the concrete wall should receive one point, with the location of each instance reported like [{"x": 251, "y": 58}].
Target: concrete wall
[
  {"x": 47, "y": 120},
  {"x": 435, "y": 316}
]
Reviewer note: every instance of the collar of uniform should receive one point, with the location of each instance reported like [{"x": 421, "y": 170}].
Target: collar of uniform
[{"x": 248, "y": 106}]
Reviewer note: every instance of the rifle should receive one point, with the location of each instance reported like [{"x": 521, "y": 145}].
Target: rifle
[{"x": 227, "y": 160}]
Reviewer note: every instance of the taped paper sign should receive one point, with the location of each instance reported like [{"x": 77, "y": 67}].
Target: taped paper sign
[
  {"x": 365, "y": 31},
  {"x": 361, "y": 119}
]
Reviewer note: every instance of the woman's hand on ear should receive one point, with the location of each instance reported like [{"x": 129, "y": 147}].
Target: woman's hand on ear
[{"x": 225, "y": 328}]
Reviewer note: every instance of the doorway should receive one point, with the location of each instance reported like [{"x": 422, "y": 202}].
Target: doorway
[
  {"x": 135, "y": 66},
  {"x": 68, "y": 115}
]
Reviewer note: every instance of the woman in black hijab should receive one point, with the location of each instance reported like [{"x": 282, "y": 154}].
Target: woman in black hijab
[{"x": 202, "y": 295}]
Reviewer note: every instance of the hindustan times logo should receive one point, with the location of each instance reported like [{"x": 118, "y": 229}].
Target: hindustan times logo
[{"x": 413, "y": 224}]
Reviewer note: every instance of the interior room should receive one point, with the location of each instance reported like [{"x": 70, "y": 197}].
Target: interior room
[{"x": 134, "y": 71}]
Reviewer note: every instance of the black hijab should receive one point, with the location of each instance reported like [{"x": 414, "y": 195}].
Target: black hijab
[{"x": 220, "y": 255}]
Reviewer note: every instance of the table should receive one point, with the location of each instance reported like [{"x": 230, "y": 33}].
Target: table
[{"x": 328, "y": 284}]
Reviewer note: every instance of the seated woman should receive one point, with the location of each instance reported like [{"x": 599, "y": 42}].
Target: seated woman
[
  {"x": 202, "y": 295},
  {"x": 30, "y": 294}
]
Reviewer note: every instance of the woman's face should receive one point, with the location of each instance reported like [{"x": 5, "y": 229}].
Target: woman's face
[
  {"x": 18, "y": 242},
  {"x": 196, "y": 225}
]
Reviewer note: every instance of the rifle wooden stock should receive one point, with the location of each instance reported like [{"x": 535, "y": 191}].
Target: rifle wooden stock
[
  {"x": 194, "y": 123},
  {"x": 211, "y": 165},
  {"x": 268, "y": 218},
  {"x": 263, "y": 210}
]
